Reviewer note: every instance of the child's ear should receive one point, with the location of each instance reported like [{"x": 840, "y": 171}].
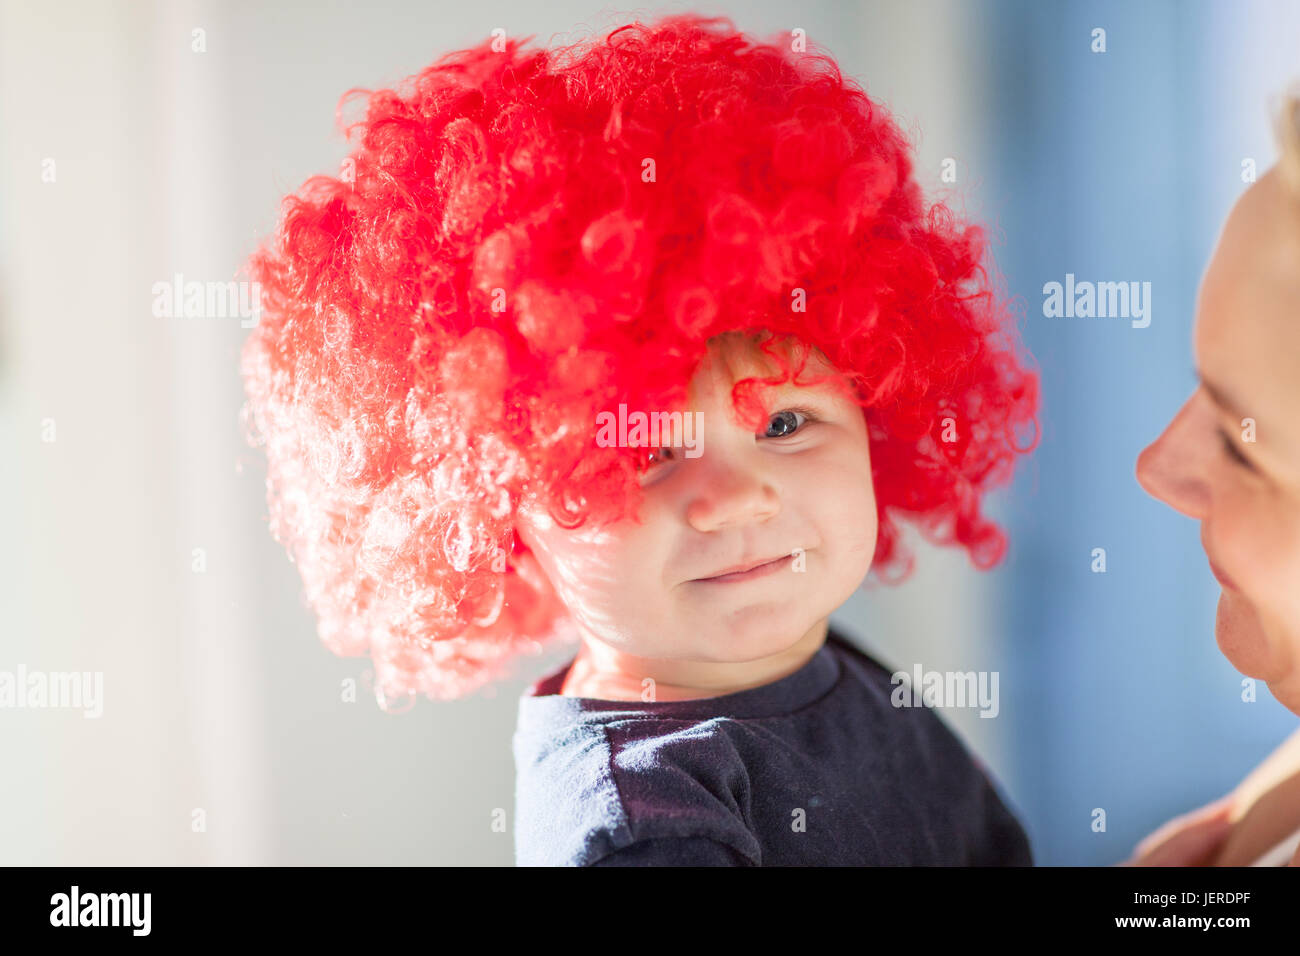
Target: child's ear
[
  {"x": 525, "y": 564},
  {"x": 531, "y": 573},
  {"x": 523, "y": 558}
]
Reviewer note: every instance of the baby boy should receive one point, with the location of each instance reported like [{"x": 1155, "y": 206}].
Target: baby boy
[
  {"x": 671, "y": 223},
  {"x": 710, "y": 716}
]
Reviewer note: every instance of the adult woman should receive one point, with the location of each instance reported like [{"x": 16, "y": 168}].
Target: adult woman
[{"x": 1231, "y": 459}]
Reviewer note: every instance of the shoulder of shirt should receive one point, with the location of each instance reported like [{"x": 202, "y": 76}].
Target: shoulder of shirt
[
  {"x": 668, "y": 787},
  {"x": 926, "y": 721},
  {"x": 881, "y": 681},
  {"x": 848, "y": 648},
  {"x": 675, "y": 851},
  {"x": 875, "y": 672}
]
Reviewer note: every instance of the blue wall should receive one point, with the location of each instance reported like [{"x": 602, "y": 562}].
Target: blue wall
[{"x": 1115, "y": 166}]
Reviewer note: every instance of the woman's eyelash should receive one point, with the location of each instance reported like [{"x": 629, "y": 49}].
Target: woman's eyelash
[{"x": 1234, "y": 452}]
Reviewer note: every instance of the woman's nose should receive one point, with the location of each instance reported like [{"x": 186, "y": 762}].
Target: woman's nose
[
  {"x": 727, "y": 493},
  {"x": 1171, "y": 468}
]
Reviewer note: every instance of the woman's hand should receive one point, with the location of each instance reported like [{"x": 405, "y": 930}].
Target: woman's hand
[
  {"x": 1238, "y": 828},
  {"x": 1194, "y": 839}
]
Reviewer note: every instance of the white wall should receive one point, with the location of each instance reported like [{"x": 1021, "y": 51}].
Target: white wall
[{"x": 217, "y": 694}]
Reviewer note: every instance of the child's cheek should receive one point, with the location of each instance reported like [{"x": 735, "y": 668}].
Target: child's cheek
[
  {"x": 840, "y": 476},
  {"x": 843, "y": 508},
  {"x": 604, "y": 576}
]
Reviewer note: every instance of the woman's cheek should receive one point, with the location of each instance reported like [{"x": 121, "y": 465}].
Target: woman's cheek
[
  {"x": 1241, "y": 534},
  {"x": 1276, "y": 543},
  {"x": 1256, "y": 540}
]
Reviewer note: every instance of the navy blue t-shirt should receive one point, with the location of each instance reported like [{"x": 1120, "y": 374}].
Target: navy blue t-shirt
[{"x": 815, "y": 768}]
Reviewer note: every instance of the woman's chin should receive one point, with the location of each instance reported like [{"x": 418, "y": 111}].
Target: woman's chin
[
  {"x": 1248, "y": 646},
  {"x": 1240, "y": 636},
  {"x": 1287, "y": 692}
]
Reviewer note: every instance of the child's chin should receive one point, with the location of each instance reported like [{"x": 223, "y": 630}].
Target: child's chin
[{"x": 762, "y": 632}]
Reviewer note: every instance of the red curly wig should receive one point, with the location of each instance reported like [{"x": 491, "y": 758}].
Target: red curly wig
[{"x": 522, "y": 238}]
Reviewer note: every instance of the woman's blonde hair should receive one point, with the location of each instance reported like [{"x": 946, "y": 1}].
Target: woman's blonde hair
[{"x": 1288, "y": 135}]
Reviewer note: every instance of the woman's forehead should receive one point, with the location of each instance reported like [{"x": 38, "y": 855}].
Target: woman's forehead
[{"x": 1248, "y": 323}]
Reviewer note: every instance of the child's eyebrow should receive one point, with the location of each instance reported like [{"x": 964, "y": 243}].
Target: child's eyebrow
[{"x": 826, "y": 389}]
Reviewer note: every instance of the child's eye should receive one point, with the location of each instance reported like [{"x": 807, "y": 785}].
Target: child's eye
[
  {"x": 1234, "y": 452},
  {"x": 787, "y": 422},
  {"x": 783, "y": 424},
  {"x": 657, "y": 456}
]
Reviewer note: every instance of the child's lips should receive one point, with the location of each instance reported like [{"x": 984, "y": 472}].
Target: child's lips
[{"x": 758, "y": 571}]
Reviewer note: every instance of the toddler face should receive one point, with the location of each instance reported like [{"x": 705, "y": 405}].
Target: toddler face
[{"x": 798, "y": 495}]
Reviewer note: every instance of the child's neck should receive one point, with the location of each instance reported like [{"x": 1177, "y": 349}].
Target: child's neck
[{"x": 606, "y": 673}]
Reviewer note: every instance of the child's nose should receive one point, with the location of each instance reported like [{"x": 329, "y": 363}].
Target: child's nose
[
  {"x": 1171, "y": 467},
  {"x": 727, "y": 493}
]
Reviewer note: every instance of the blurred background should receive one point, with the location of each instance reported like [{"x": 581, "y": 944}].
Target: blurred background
[{"x": 134, "y": 516}]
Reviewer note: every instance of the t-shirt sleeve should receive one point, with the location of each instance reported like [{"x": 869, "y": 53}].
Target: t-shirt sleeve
[
  {"x": 1005, "y": 842},
  {"x": 674, "y": 851}
]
